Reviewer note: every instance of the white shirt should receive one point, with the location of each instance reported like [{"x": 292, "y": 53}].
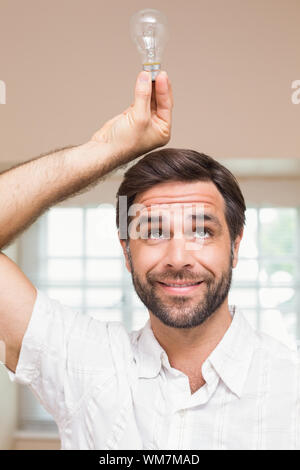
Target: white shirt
[{"x": 110, "y": 389}]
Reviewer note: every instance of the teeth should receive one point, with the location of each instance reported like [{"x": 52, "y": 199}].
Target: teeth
[{"x": 181, "y": 285}]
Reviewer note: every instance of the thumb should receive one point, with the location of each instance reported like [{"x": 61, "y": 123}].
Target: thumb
[{"x": 142, "y": 98}]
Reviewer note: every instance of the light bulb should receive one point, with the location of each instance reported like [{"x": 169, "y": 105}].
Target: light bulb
[{"x": 148, "y": 30}]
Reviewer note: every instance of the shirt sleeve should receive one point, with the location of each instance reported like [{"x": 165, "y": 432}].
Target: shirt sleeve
[{"x": 61, "y": 353}]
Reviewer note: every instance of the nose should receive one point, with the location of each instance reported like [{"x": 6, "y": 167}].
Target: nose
[{"x": 177, "y": 255}]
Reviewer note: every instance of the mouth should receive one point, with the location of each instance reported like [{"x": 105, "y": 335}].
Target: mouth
[{"x": 179, "y": 287}]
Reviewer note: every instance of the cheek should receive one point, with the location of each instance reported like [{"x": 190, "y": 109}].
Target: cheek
[
  {"x": 146, "y": 258},
  {"x": 214, "y": 258}
]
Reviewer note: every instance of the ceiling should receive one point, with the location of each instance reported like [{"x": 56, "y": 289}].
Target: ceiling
[
  {"x": 263, "y": 167},
  {"x": 70, "y": 65}
]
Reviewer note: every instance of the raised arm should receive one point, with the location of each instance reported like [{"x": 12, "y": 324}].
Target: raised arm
[{"x": 29, "y": 189}]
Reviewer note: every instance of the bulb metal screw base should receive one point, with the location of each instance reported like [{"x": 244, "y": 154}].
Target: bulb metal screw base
[{"x": 154, "y": 68}]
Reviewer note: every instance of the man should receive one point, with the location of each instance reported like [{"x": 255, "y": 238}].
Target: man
[{"x": 197, "y": 376}]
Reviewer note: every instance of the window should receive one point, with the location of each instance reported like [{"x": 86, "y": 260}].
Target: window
[
  {"x": 73, "y": 254},
  {"x": 83, "y": 265},
  {"x": 266, "y": 280}
]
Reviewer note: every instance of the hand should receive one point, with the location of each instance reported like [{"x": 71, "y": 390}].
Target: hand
[{"x": 146, "y": 124}]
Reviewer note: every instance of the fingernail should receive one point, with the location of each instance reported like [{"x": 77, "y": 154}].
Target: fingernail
[
  {"x": 164, "y": 83},
  {"x": 144, "y": 76}
]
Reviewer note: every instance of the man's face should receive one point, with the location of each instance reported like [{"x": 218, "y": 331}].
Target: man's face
[{"x": 161, "y": 267}]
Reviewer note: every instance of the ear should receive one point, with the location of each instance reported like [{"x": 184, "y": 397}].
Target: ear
[
  {"x": 236, "y": 247},
  {"x": 124, "y": 248}
]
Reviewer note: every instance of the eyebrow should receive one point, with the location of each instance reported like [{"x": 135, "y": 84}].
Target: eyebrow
[
  {"x": 147, "y": 218},
  {"x": 207, "y": 218},
  {"x": 195, "y": 217}
]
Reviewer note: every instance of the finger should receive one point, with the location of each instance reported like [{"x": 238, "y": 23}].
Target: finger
[
  {"x": 171, "y": 92},
  {"x": 142, "y": 97},
  {"x": 164, "y": 98},
  {"x": 128, "y": 109}
]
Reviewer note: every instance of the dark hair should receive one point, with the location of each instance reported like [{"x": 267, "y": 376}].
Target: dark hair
[{"x": 184, "y": 165}]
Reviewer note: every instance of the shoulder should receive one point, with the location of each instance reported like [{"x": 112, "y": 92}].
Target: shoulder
[
  {"x": 97, "y": 345},
  {"x": 263, "y": 343},
  {"x": 85, "y": 342},
  {"x": 277, "y": 354}
]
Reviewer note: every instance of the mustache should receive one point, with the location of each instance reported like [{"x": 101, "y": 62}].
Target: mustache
[{"x": 182, "y": 275}]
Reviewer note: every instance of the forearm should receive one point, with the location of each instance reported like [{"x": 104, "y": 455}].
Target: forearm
[{"x": 29, "y": 189}]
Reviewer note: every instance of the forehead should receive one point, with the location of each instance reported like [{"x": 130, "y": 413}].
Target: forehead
[{"x": 204, "y": 192}]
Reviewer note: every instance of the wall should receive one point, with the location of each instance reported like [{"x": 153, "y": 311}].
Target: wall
[
  {"x": 36, "y": 441},
  {"x": 8, "y": 410},
  {"x": 8, "y": 390},
  {"x": 70, "y": 65}
]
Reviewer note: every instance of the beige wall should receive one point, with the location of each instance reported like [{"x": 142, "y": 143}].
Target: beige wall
[
  {"x": 8, "y": 391},
  {"x": 42, "y": 440},
  {"x": 8, "y": 410},
  {"x": 69, "y": 65}
]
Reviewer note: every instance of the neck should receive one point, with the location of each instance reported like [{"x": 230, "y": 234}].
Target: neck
[{"x": 187, "y": 348}]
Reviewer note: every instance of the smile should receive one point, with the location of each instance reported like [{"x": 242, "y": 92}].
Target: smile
[
  {"x": 179, "y": 284},
  {"x": 179, "y": 288}
]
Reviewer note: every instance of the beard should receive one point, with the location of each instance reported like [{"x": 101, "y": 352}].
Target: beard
[{"x": 180, "y": 311}]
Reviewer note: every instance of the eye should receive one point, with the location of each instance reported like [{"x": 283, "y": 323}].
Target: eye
[
  {"x": 157, "y": 234},
  {"x": 200, "y": 233}
]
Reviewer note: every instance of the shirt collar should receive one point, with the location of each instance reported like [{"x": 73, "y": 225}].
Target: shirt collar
[
  {"x": 230, "y": 359},
  {"x": 149, "y": 352},
  {"x": 232, "y": 356}
]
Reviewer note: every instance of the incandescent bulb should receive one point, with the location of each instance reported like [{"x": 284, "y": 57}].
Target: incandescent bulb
[{"x": 149, "y": 32}]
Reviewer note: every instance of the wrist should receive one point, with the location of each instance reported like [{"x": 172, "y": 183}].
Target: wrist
[
  {"x": 113, "y": 154},
  {"x": 91, "y": 154}
]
